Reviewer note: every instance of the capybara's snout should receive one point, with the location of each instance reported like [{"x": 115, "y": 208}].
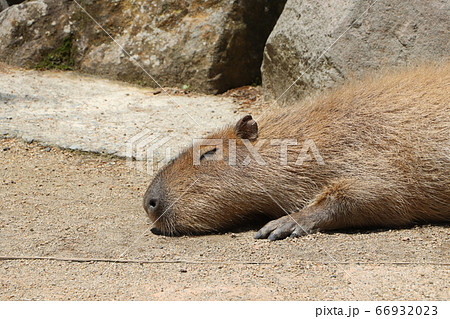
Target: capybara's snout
[{"x": 154, "y": 203}]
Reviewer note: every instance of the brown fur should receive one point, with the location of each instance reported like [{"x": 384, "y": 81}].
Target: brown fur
[{"x": 386, "y": 148}]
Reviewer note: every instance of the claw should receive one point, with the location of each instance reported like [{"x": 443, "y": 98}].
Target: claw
[
  {"x": 281, "y": 228},
  {"x": 277, "y": 229},
  {"x": 258, "y": 235}
]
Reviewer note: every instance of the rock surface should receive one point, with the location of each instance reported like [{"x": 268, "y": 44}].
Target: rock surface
[
  {"x": 85, "y": 113},
  {"x": 3, "y": 5},
  {"x": 208, "y": 46},
  {"x": 6, "y": 3},
  {"x": 324, "y": 42}
]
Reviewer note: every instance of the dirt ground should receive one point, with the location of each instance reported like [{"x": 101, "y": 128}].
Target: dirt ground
[{"x": 81, "y": 206}]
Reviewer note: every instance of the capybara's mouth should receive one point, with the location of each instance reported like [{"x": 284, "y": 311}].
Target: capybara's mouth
[{"x": 160, "y": 232}]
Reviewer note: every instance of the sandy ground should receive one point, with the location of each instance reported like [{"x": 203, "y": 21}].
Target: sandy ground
[{"x": 86, "y": 207}]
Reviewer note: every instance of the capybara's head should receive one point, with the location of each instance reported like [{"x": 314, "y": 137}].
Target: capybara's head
[{"x": 216, "y": 185}]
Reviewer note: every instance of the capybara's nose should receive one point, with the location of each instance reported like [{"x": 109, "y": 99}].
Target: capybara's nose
[
  {"x": 152, "y": 206},
  {"x": 154, "y": 200}
]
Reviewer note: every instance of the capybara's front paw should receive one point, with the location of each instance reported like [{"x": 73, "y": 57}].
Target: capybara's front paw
[{"x": 281, "y": 228}]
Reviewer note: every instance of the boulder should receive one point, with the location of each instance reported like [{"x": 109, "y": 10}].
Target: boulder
[
  {"x": 3, "y": 5},
  {"x": 207, "y": 46},
  {"x": 31, "y": 31},
  {"x": 321, "y": 43},
  {"x": 6, "y": 3}
]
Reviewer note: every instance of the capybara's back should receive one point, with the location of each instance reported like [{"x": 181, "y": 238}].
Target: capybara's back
[{"x": 374, "y": 153}]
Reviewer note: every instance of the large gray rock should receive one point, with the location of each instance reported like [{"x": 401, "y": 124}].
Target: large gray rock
[
  {"x": 31, "y": 30},
  {"x": 390, "y": 33},
  {"x": 3, "y": 5},
  {"x": 209, "y": 46},
  {"x": 6, "y": 3}
]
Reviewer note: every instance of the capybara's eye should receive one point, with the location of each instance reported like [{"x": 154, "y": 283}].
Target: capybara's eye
[{"x": 209, "y": 153}]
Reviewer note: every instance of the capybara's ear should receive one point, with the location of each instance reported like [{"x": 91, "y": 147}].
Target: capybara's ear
[{"x": 247, "y": 128}]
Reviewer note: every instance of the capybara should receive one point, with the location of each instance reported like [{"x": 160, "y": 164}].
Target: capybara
[{"x": 371, "y": 153}]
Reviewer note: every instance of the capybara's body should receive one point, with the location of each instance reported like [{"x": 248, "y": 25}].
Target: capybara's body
[{"x": 374, "y": 153}]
